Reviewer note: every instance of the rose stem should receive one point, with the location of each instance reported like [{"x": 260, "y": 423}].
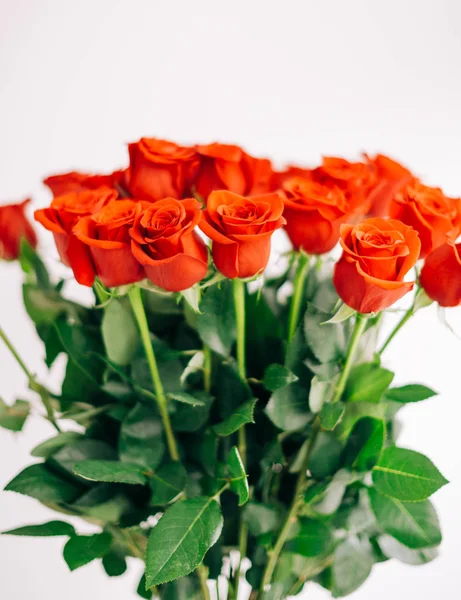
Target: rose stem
[
  {"x": 138, "y": 309},
  {"x": 360, "y": 323},
  {"x": 207, "y": 365},
  {"x": 410, "y": 312},
  {"x": 292, "y": 513},
  {"x": 239, "y": 301},
  {"x": 33, "y": 383},
  {"x": 298, "y": 293}
]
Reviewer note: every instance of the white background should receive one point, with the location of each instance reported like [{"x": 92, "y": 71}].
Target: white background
[{"x": 287, "y": 79}]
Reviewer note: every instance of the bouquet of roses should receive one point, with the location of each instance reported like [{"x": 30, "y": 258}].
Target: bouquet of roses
[{"x": 228, "y": 426}]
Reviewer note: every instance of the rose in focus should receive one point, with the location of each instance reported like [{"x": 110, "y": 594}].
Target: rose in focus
[{"x": 377, "y": 254}]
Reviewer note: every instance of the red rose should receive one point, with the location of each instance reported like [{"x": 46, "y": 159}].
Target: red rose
[
  {"x": 280, "y": 177},
  {"x": 14, "y": 225},
  {"x": 241, "y": 230},
  {"x": 314, "y": 214},
  {"x": 160, "y": 169},
  {"x": 391, "y": 178},
  {"x": 60, "y": 218},
  {"x": 377, "y": 254},
  {"x": 355, "y": 179},
  {"x": 165, "y": 242},
  {"x": 441, "y": 275},
  {"x": 65, "y": 183},
  {"x": 435, "y": 217},
  {"x": 106, "y": 234},
  {"x": 226, "y": 167}
]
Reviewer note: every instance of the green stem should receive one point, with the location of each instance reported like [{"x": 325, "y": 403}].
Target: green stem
[
  {"x": 207, "y": 366},
  {"x": 33, "y": 383},
  {"x": 298, "y": 294},
  {"x": 360, "y": 323},
  {"x": 410, "y": 312},
  {"x": 140, "y": 315},
  {"x": 292, "y": 512},
  {"x": 239, "y": 301},
  {"x": 203, "y": 578}
]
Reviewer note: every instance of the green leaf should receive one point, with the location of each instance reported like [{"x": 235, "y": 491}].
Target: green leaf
[
  {"x": 394, "y": 549},
  {"x": 325, "y": 498},
  {"x": 49, "y": 447},
  {"x": 82, "y": 549},
  {"x": 119, "y": 332},
  {"x": 238, "y": 476},
  {"x": 406, "y": 475},
  {"x": 365, "y": 443},
  {"x": 32, "y": 265},
  {"x": 114, "y": 563},
  {"x": 326, "y": 342},
  {"x": 50, "y": 529},
  {"x": 13, "y": 417},
  {"x": 186, "y": 399},
  {"x": 142, "y": 590},
  {"x": 343, "y": 313},
  {"x": 188, "y": 417},
  {"x": 82, "y": 449},
  {"x": 111, "y": 471},
  {"x": 192, "y": 297},
  {"x": 180, "y": 540},
  {"x": 261, "y": 518},
  {"x": 331, "y": 415},
  {"x": 39, "y": 482},
  {"x": 288, "y": 408},
  {"x": 410, "y": 393},
  {"x": 195, "y": 365},
  {"x": 231, "y": 389},
  {"x": 325, "y": 455},
  {"x": 367, "y": 383},
  {"x": 141, "y": 438},
  {"x": 352, "y": 563},
  {"x": 313, "y": 539},
  {"x": 414, "y": 524},
  {"x": 277, "y": 376},
  {"x": 167, "y": 483},
  {"x": 320, "y": 393},
  {"x": 216, "y": 324},
  {"x": 242, "y": 416}
]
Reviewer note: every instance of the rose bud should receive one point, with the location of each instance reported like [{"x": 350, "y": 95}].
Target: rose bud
[
  {"x": 226, "y": 167},
  {"x": 65, "y": 183},
  {"x": 435, "y": 217},
  {"x": 241, "y": 230},
  {"x": 160, "y": 169},
  {"x": 106, "y": 234},
  {"x": 173, "y": 255},
  {"x": 14, "y": 225},
  {"x": 60, "y": 218},
  {"x": 377, "y": 254},
  {"x": 441, "y": 275},
  {"x": 314, "y": 214},
  {"x": 391, "y": 178},
  {"x": 354, "y": 179}
]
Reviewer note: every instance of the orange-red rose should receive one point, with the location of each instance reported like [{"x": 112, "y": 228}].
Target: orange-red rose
[
  {"x": 160, "y": 169},
  {"x": 377, "y": 254},
  {"x": 14, "y": 225},
  {"x": 441, "y": 275},
  {"x": 436, "y": 217},
  {"x": 241, "y": 230},
  {"x": 60, "y": 218},
  {"x": 391, "y": 178},
  {"x": 106, "y": 234},
  {"x": 65, "y": 183},
  {"x": 226, "y": 167},
  {"x": 314, "y": 214},
  {"x": 164, "y": 241}
]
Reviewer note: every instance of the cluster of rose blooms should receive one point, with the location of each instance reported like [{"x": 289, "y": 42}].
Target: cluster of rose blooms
[{"x": 142, "y": 222}]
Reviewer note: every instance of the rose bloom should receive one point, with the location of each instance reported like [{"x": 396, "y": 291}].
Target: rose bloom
[
  {"x": 377, "y": 254},
  {"x": 60, "y": 218},
  {"x": 65, "y": 183},
  {"x": 160, "y": 169},
  {"x": 280, "y": 177},
  {"x": 14, "y": 225},
  {"x": 391, "y": 178},
  {"x": 314, "y": 214},
  {"x": 241, "y": 229},
  {"x": 165, "y": 242},
  {"x": 356, "y": 180},
  {"x": 106, "y": 234},
  {"x": 226, "y": 167},
  {"x": 441, "y": 275}
]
